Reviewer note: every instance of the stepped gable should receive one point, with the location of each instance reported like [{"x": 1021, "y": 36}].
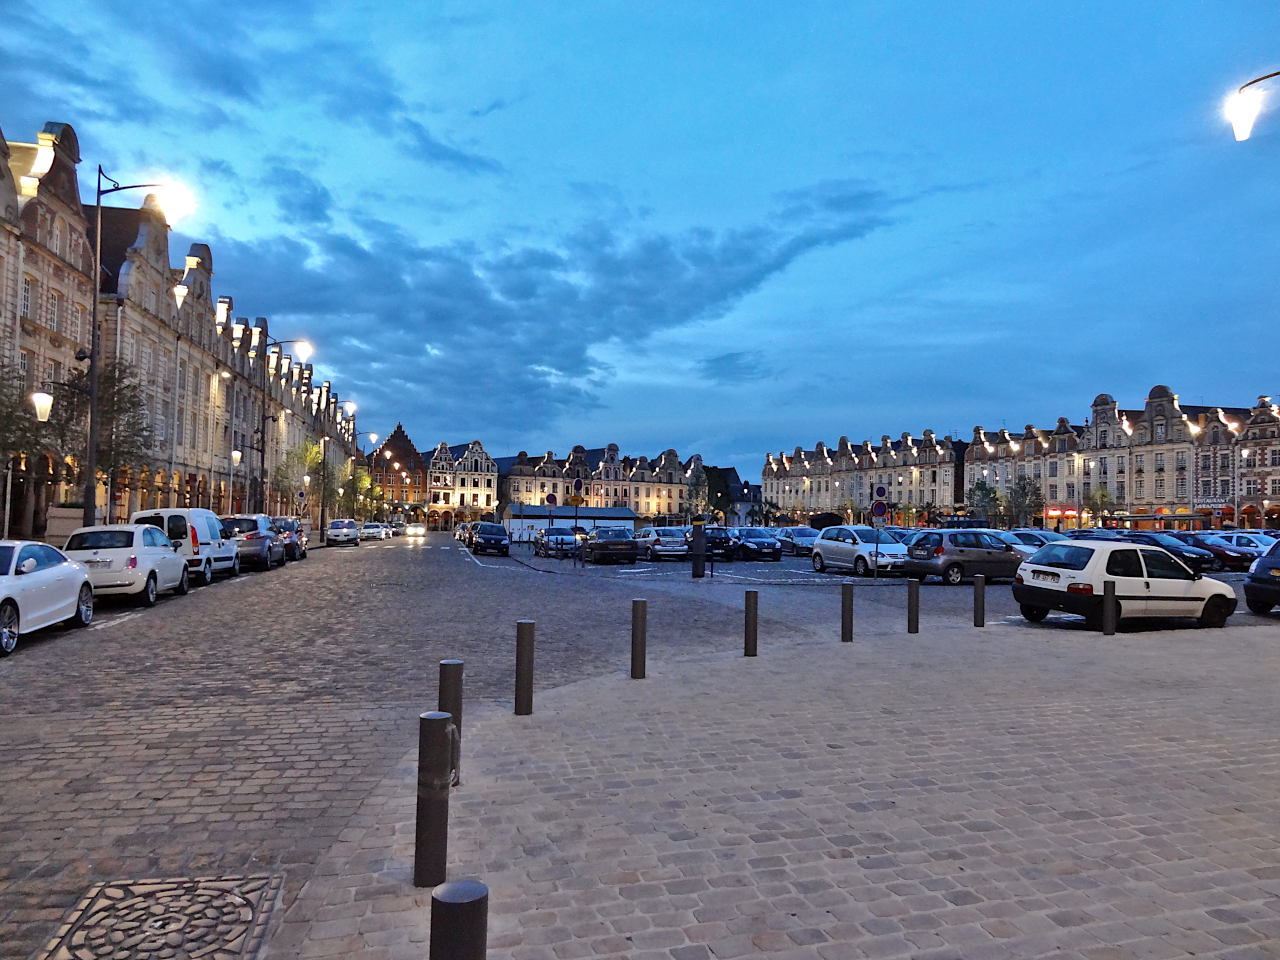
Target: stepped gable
[{"x": 402, "y": 450}]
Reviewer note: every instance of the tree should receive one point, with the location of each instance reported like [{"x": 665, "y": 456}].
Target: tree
[
  {"x": 699, "y": 492},
  {"x": 19, "y": 429},
  {"x": 125, "y": 436},
  {"x": 1098, "y": 501},
  {"x": 983, "y": 500},
  {"x": 1025, "y": 500}
]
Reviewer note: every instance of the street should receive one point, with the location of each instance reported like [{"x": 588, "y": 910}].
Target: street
[{"x": 238, "y": 731}]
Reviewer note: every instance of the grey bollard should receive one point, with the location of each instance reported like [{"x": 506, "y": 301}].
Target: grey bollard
[
  {"x": 459, "y": 921},
  {"x": 749, "y": 623},
  {"x": 979, "y": 600},
  {"x": 449, "y": 700},
  {"x": 846, "y": 613},
  {"x": 524, "y": 668},
  {"x": 1109, "y": 608},
  {"x": 639, "y": 629},
  {"x": 435, "y": 773},
  {"x": 913, "y": 606}
]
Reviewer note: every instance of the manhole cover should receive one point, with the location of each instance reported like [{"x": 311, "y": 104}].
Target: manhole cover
[{"x": 211, "y": 918}]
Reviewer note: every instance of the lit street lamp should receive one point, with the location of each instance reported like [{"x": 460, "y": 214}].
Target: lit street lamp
[
  {"x": 236, "y": 456},
  {"x": 180, "y": 201},
  {"x": 1243, "y": 106}
]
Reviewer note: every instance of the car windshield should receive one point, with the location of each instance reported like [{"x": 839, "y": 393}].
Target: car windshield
[
  {"x": 1066, "y": 556},
  {"x": 6, "y": 558},
  {"x": 804, "y": 533},
  {"x": 1006, "y": 536},
  {"x": 341, "y": 524},
  {"x": 101, "y": 540},
  {"x": 373, "y": 526},
  {"x": 1167, "y": 541},
  {"x": 240, "y": 524},
  {"x": 670, "y": 533},
  {"x": 1201, "y": 541},
  {"x": 493, "y": 529},
  {"x": 612, "y": 534},
  {"x": 286, "y": 523},
  {"x": 559, "y": 532},
  {"x": 872, "y": 535},
  {"x": 753, "y": 533}
]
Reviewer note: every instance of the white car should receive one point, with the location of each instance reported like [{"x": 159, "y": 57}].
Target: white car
[
  {"x": 130, "y": 558},
  {"x": 343, "y": 530},
  {"x": 1254, "y": 544},
  {"x": 655, "y": 543},
  {"x": 864, "y": 550},
  {"x": 1149, "y": 581},
  {"x": 39, "y": 586},
  {"x": 415, "y": 530},
  {"x": 375, "y": 531}
]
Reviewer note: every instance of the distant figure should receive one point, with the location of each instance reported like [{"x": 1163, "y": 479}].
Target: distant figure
[{"x": 1057, "y": 527}]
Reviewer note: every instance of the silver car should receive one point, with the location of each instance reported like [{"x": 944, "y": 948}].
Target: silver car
[
  {"x": 257, "y": 539},
  {"x": 658, "y": 543},
  {"x": 864, "y": 550},
  {"x": 954, "y": 555}
]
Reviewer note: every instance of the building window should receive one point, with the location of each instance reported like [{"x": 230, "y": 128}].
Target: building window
[
  {"x": 1224, "y": 487},
  {"x": 1251, "y": 487},
  {"x": 26, "y": 296},
  {"x": 1120, "y": 490},
  {"x": 1180, "y": 487},
  {"x": 1140, "y": 486},
  {"x": 55, "y": 312},
  {"x": 1275, "y": 486}
]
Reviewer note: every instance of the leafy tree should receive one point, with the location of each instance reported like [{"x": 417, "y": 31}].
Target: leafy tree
[
  {"x": 125, "y": 437},
  {"x": 698, "y": 492},
  {"x": 983, "y": 500},
  {"x": 19, "y": 429},
  {"x": 1025, "y": 500},
  {"x": 1098, "y": 501}
]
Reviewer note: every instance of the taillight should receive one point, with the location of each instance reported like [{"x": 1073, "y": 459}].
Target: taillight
[
  {"x": 195, "y": 541},
  {"x": 133, "y": 561},
  {"x": 1018, "y": 578},
  {"x": 939, "y": 551},
  {"x": 256, "y": 535},
  {"x": 1084, "y": 588}
]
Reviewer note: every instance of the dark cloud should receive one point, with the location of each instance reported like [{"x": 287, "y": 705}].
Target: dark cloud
[
  {"x": 492, "y": 107},
  {"x": 301, "y": 199},
  {"x": 737, "y": 367},
  {"x": 423, "y": 145}
]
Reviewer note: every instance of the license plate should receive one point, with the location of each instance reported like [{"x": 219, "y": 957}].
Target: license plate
[
  {"x": 1041, "y": 575},
  {"x": 98, "y": 563}
]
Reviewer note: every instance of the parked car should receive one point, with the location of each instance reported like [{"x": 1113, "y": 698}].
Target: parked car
[
  {"x": 460, "y": 531},
  {"x": 1256, "y": 544},
  {"x": 136, "y": 559},
  {"x": 415, "y": 530},
  {"x": 864, "y": 550},
  {"x": 342, "y": 530},
  {"x": 491, "y": 537},
  {"x": 1004, "y": 536},
  {"x": 1150, "y": 582},
  {"x": 1226, "y": 556},
  {"x": 372, "y": 531},
  {"x": 1037, "y": 536},
  {"x": 1262, "y": 588},
  {"x": 755, "y": 543},
  {"x": 1093, "y": 533},
  {"x": 1194, "y": 557},
  {"x": 718, "y": 542},
  {"x": 797, "y": 541},
  {"x": 397, "y": 527},
  {"x": 258, "y": 539},
  {"x": 609, "y": 544},
  {"x": 40, "y": 586},
  {"x": 957, "y": 554},
  {"x": 554, "y": 540},
  {"x": 915, "y": 535},
  {"x": 294, "y": 536},
  {"x": 655, "y": 543},
  {"x": 199, "y": 536}
]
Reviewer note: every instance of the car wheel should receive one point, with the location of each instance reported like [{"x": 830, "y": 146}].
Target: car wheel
[
  {"x": 1214, "y": 613},
  {"x": 184, "y": 583},
  {"x": 84, "y": 607},
  {"x": 651, "y": 556},
  {"x": 1259, "y": 607},
  {"x": 148, "y": 595},
  {"x": 818, "y": 565},
  {"x": 1217, "y": 565},
  {"x": 860, "y": 567},
  {"x": 206, "y": 574},
  {"x": 953, "y": 575},
  {"x": 235, "y": 567},
  {"x": 8, "y": 628},
  {"x": 1033, "y": 614}
]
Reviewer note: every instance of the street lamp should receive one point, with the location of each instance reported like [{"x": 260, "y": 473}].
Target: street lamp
[
  {"x": 1235, "y": 489},
  {"x": 236, "y": 457},
  {"x": 179, "y": 202},
  {"x": 1243, "y": 106}
]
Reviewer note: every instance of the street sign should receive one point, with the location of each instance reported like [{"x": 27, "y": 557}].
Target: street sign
[
  {"x": 882, "y": 492},
  {"x": 302, "y": 494},
  {"x": 577, "y": 485},
  {"x": 551, "y": 499},
  {"x": 878, "y": 522},
  {"x": 880, "y": 510},
  {"x": 577, "y": 501}
]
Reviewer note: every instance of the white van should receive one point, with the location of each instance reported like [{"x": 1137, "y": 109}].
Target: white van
[{"x": 199, "y": 537}]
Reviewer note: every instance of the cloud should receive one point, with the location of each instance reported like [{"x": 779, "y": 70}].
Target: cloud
[
  {"x": 736, "y": 367},
  {"x": 492, "y": 107},
  {"x": 301, "y": 198},
  {"x": 425, "y": 146}
]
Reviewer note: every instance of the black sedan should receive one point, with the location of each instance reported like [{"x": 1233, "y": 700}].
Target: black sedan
[
  {"x": 757, "y": 544},
  {"x": 1262, "y": 589},
  {"x": 610, "y": 545},
  {"x": 1195, "y": 558},
  {"x": 719, "y": 542}
]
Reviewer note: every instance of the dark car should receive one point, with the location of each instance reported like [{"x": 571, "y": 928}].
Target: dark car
[
  {"x": 610, "y": 544},
  {"x": 1225, "y": 556},
  {"x": 294, "y": 537},
  {"x": 1262, "y": 589},
  {"x": 1195, "y": 558},
  {"x": 490, "y": 536},
  {"x": 755, "y": 543},
  {"x": 798, "y": 541},
  {"x": 719, "y": 540},
  {"x": 1095, "y": 533}
]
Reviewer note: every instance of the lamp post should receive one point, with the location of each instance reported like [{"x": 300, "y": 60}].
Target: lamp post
[
  {"x": 236, "y": 457},
  {"x": 1235, "y": 488},
  {"x": 1243, "y": 106},
  {"x": 306, "y": 493},
  {"x": 90, "y": 515}
]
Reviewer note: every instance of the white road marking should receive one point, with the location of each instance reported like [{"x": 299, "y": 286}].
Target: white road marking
[{"x": 103, "y": 624}]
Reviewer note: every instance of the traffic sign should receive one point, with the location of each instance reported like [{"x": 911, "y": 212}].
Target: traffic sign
[
  {"x": 882, "y": 492},
  {"x": 878, "y": 522},
  {"x": 551, "y": 499},
  {"x": 302, "y": 494},
  {"x": 577, "y": 501},
  {"x": 577, "y": 485},
  {"x": 879, "y": 509}
]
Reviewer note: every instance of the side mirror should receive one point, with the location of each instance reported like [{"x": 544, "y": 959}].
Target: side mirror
[
  {"x": 1008, "y": 548},
  {"x": 27, "y": 566}
]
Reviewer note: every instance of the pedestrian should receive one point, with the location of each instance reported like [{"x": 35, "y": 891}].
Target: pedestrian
[{"x": 1057, "y": 527}]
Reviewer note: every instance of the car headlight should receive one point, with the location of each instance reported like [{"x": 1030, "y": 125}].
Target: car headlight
[{"x": 1253, "y": 567}]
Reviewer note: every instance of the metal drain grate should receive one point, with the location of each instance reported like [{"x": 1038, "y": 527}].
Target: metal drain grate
[{"x": 201, "y": 918}]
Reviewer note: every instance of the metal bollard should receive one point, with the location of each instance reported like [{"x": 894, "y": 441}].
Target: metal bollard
[
  {"x": 524, "y": 668},
  {"x": 979, "y": 600},
  {"x": 431, "y": 829},
  {"x": 639, "y": 628},
  {"x": 846, "y": 613},
  {"x": 1109, "y": 608},
  {"x": 749, "y": 624},
  {"x": 913, "y": 606},
  {"x": 459, "y": 921},
  {"x": 449, "y": 700}
]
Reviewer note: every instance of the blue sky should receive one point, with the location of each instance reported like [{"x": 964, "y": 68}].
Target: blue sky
[{"x": 724, "y": 227}]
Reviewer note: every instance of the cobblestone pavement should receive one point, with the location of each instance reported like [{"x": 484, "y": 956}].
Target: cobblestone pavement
[{"x": 1009, "y": 792}]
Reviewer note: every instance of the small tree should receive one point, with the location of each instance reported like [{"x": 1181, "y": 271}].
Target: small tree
[
  {"x": 1098, "y": 501},
  {"x": 1025, "y": 500},
  {"x": 125, "y": 437},
  {"x": 699, "y": 492},
  {"x": 983, "y": 500}
]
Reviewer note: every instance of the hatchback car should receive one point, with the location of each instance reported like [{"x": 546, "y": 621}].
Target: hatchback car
[
  {"x": 343, "y": 530},
  {"x": 1255, "y": 544},
  {"x": 1037, "y": 536},
  {"x": 756, "y": 543},
  {"x": 1149, "y": 582},
  {"x": 657, "y": 543},
  {"x": 1262, "y": 589},
  {"x": 415, "y": 530},
  {"x": 294, "y": 536},
  {"x": 397, "y": 527},
  {"x": 490, "y": 537},
  {"x": 554, "y": 540},
  {"x": 199, "y": 536},
  {"x": 258, "y": 539},
  {"x": 609, "y": 545},
  {"x": 372, "y": 531},
  {"x": 1226, "y": 556},
  {"x": 864, "y": 550},
  {"x": 797, "y": 541},
  {"x": 954, "y": 555},
  {"x": 40, "y": 586},
  {"x": 718, "y": 542},
  {"x": 1196, "y": 558},
  {"x": 135, "y": 559}
]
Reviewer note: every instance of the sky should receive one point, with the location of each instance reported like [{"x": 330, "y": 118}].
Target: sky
[{"x": 723, "y": 227}]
